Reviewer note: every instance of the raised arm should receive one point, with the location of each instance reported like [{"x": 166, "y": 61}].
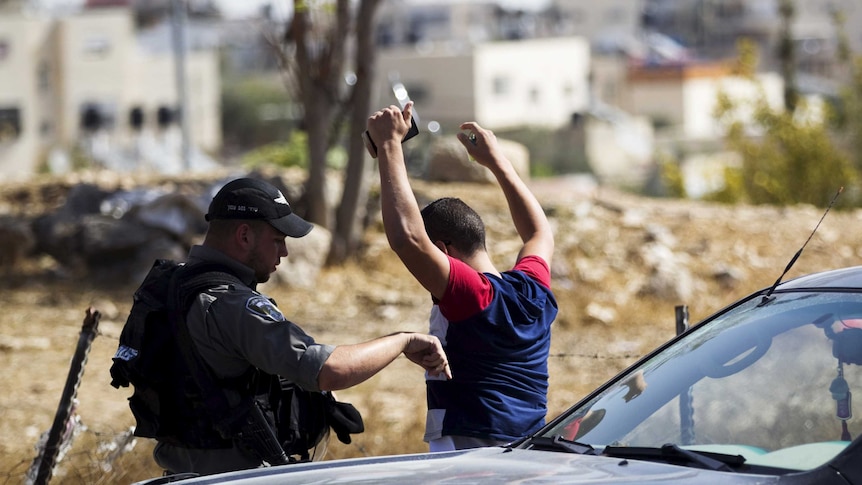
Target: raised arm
[
  {"x": 527, "y": 214},
  {"x": 349, "y": 365},
  {"x": 402, "y": 219}
]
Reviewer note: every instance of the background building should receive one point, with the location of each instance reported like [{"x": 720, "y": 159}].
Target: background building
[
  {"x": 537, "y": 82},
  {"x": 84, "y": 82}
]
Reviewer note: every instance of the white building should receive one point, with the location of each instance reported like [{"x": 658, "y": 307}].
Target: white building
[
  {"x": 85, "y": 78},
  {"x": 539, "y": 82},
  {"x": 682, "y": 98}
]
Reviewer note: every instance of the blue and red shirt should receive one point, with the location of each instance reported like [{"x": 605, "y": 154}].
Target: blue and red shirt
[{"x": 496, "y": 333}]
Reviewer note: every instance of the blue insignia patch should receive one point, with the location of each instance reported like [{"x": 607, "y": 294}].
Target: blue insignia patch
[
  {"x": 124, "y": 352},
  {"x": 260, "y": 305}
]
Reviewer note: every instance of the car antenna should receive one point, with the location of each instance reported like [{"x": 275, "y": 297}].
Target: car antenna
[{"x": 767, "y": 296}]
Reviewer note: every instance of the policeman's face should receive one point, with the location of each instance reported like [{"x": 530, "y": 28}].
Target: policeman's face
[{"x": 266, "y": 251}]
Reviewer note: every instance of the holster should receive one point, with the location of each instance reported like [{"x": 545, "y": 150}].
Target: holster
[{"x": 254, "y": 432}]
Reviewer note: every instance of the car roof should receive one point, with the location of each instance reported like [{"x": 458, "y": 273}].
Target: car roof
[{"x": 850, "y": 277}]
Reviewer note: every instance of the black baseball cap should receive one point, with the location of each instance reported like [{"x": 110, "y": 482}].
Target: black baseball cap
[{"x": 254, "y": 199}]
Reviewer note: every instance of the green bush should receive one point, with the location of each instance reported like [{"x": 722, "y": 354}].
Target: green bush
[
  {"x": 292, "y": 153},
  {"x": 787, "y": 156},
  {"x": 793, "y": 161},
  {"x": 255, "y": 112},
  {"x": 672, "y": 180}
]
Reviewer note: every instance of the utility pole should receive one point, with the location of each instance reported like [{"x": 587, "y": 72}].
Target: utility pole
[{"x": 178, "y": 22}]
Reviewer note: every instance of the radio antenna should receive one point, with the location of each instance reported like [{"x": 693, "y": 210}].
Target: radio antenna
[{"x": 767, "y": 296}]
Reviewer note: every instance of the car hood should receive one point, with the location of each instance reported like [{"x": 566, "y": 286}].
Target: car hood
[{"x": 484, "y": 465}]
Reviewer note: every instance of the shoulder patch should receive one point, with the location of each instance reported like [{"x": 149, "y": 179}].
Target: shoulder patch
[{"x": 260, "y": 305}]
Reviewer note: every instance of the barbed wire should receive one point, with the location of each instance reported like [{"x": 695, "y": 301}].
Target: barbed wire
[
  {"x": 595, "y": 356},
  {"x": 16, "y": 473},
  {"x": 108, "y": 336},
  {"x": 81, "y": 461},
  {"x": 559, "y": 355},
  {"x": 97, "y": 460}
]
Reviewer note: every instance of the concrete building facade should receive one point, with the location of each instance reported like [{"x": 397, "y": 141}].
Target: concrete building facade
[
  {"x": 83, "y": 82},
  {"x": 539, "y": 82},
  {"x": 683, "y": 98}
]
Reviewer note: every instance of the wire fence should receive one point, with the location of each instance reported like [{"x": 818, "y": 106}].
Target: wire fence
[
  {"x": 93, "y": 460},
  {"x": 595, "y": 356},
  {"x": 95, "y": 454}
]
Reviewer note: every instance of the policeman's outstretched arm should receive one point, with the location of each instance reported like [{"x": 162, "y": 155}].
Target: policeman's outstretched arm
[{"x": 349, "y": 365}]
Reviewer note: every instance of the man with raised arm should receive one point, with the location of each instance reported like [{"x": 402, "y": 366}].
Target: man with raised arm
[{"x": 494, "y": 326}]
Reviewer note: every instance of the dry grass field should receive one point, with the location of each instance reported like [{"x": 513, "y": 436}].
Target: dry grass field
[{"x": 616, "y": 257}]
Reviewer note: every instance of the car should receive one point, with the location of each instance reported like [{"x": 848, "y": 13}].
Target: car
[{"x": 759, "y": 392}]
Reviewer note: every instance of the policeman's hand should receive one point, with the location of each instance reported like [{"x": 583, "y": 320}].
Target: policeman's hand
[
  {"x": 427, "y": 352},
  {"x": 481, "y": 144},
  {"x": 390, "y": 124}
]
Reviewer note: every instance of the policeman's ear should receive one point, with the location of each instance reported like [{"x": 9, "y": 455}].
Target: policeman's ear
[{"x": 244, "y": 235}]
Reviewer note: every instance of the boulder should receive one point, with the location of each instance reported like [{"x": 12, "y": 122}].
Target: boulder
[
  {"x": 113, "y": 237},
  {"x": 307, "y": 256},
  {"x": 449, "y": 162},
  {"x": 175, "y": 214},
  {"x": 16, "y": 241}
]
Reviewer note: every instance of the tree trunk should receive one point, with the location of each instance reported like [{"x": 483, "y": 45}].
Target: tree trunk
[
  {"x": 318, "y": 119},
  {"x": 319, "y": 69},
  {"x": 354, "y": 201},
  {"x": 320, "y": 58},
  {"x": 787, "y": 54}
]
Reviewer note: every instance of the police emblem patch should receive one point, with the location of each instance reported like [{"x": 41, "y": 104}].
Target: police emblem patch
[{"x": 260, "y": 305}]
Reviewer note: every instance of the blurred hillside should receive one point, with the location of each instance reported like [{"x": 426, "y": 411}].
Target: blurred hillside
[{"x": 622, "y": 264}]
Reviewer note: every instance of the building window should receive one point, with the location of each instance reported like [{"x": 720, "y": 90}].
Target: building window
[
  {"x": 418, "y": 94},
  {"x": 97, "y": 116},
  {"x": 609, "y": 92},
  {"x": 501, "y": 85},
  {"x": 97, "y": 46},
  {"x": 165, "y": 116},
  {"x": 535, "y": 94},
  {"x": 136, "y": 118},
  {"x": 10, "y": 124},
  {"x": 44, "y": 76}
]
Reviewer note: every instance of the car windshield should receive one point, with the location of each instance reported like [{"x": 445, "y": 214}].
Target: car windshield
[{"x": 768, "y": 381}]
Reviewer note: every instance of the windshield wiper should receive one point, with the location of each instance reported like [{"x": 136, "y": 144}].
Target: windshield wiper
[
  {"x": 558, "y": 443},
  {"x": 675, "y": 454}
]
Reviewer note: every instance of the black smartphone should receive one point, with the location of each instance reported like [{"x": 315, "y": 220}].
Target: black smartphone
[{"x": 372, "y": 148}]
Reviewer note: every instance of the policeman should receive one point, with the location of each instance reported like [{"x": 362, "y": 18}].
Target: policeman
[{"x": 235, "y": 329}]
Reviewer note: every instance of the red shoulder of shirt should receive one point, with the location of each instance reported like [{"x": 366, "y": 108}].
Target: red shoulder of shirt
[
  {"x": 470, "y": 292},
  {"x": 535, "y": 267}
]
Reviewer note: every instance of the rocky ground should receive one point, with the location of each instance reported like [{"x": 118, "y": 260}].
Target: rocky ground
[{"x": 622, "y": 264}]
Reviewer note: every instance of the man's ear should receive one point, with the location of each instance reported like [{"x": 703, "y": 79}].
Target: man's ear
[
  {"x": 442, "y": 246},
  {"x": 244, "y": 235}
]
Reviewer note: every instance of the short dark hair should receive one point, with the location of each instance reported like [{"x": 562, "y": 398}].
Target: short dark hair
[
  {"x": 455, "y": 223},
  {"x": 224, "y": 228}
]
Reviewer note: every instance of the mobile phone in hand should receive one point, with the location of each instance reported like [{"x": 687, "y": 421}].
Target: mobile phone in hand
[{"x": 372, "y": 148}]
